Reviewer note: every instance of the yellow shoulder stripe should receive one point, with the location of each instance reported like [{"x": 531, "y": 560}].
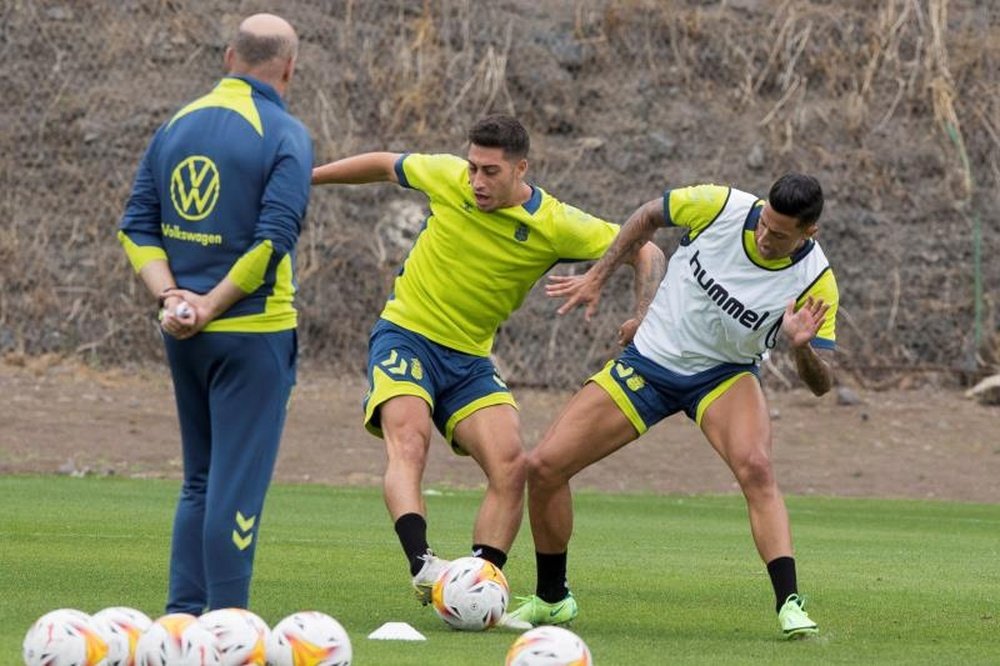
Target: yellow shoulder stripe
[
  {"x": 824, "y": 289},
  {"x": 140, "y": 255},
  {"x": 697, "y": 206},
  {"x": 233, "y": 94}
]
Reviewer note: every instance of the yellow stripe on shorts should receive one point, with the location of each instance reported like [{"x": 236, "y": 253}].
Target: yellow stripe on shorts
[
  {"x": 715, "y": 394},
  {"x": 619, "y": 397},
  {"x": 385, "y": 388},
  {"x": 498, "y": 398}
]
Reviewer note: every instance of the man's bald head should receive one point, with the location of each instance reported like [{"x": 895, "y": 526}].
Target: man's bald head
[{"x": 265, "y": 47}]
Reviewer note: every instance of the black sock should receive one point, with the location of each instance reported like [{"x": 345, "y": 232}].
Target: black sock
[
  {"x": 490, "y": 554},
  {"x": 551, "y": 585},
  {"x": 412, "y": 531},
  {"x": 782, "y": 572}
]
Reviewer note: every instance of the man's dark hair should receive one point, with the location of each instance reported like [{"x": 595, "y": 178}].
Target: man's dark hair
[
  {"x": 500, "y": 131},
  {"x": 257, "y": 49},
  {"x": 797, "y": 195}
]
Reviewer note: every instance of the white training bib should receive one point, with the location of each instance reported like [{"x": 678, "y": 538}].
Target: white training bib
[{"x": 716, "y": 305}]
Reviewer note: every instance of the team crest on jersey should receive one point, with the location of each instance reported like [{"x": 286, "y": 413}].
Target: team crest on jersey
[
  {"x": 522, "y": 231},
  {"x": 194, "y": 187}
]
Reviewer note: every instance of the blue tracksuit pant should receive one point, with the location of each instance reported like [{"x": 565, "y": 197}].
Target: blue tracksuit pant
[{"x": 232, "y": 391}]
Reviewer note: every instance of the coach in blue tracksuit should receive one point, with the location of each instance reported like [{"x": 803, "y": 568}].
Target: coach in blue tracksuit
[{"x": 211, "y": 227}]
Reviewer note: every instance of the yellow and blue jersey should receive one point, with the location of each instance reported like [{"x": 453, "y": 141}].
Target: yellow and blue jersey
[
  {"x": 222, "y": 191},
  {"x": 469, "y": 270}
]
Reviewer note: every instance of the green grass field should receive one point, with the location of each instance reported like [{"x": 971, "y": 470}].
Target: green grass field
[{"x": 660, "y": 580}]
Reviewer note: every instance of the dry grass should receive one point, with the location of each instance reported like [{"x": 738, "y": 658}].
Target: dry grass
[{"x": 894, "y": 105}]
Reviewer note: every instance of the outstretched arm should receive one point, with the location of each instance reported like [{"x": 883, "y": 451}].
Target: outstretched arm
[
  {"x": 814, "y": 366},
  {"x": 633, "y": 246},
  {"x": 358, "y": 169},
  {"x": 650, "y": 265}
]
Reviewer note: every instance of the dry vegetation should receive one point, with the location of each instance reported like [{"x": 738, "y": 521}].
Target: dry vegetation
[{"x": 894, "y": 105}]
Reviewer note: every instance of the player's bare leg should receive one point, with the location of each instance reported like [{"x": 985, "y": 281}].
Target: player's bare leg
[
  {"x": 492, "y": 436},
  {"x": 739, "y": 427},
  {"x": 589, "y": 428},
  {"x": 406, "y": 428}
]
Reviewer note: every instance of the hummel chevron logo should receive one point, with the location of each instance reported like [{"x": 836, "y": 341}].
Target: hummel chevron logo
[
  {"x": 242, "y": 542},
  {"x": 394, "y": 364},
  {"x": 243, "y": 536},
  {"x": 245, "y": 524}
]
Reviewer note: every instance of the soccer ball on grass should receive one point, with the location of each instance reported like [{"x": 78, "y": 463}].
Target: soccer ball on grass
[
  {"x": 177, "y": 639},
  {"x": 549, "y": 646},
  {"x": 309, "y": 637},
  {"x": 240, "y": 636},
  {"x": 471, "y": 594},
  {"x": 64, "y": 637},
  {"x": 121, "y": 627}
]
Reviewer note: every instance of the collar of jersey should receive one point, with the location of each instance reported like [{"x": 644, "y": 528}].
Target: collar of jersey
[
  {"x": 534, "y": 201},
  {"x": 264, "y": 89},
  {"x": 750, "y": 244}
]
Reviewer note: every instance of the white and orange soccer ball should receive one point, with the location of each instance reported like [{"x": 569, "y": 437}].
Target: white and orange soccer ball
[
  {"x": 471, "y": 594},
  {"x": 240, "y": 636},
  {"x": 120, "y": 627},
  {"x": 549, "y": 646},
  {"x": 64, "y": 637},
  {"x": 177, "y": 639},
  {"x": 309, "y": 638}
]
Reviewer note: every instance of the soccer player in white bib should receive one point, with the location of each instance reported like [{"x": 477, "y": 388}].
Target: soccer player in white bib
[{"x": 746, "y": 272}]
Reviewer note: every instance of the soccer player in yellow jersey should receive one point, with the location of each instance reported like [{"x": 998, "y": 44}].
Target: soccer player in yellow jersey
[
  {"x": 489, "y": 237},
  {"x": 745, "y": 272}
]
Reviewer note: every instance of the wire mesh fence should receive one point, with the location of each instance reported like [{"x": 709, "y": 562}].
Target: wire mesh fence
[{"x": 623, "y": 98}]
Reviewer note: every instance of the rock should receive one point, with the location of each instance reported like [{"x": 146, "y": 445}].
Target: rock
[
  {"x": 847, "y": 396},
  {"x": 987, "y": 391}
]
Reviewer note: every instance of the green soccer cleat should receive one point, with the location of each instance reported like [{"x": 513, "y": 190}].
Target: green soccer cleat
[
  {"x": 795, "y": 622},
  {"x": 537, "y": 612}
]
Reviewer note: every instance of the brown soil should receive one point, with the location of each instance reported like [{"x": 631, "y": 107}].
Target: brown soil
[{"x": 66, "y": 418}]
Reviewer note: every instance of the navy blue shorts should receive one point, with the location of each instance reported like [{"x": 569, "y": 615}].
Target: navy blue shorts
[
  {"x": 454, "y": 384},
  {"x": 647, "y": 393}
]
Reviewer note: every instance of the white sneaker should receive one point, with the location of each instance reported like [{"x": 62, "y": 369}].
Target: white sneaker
[
  {"x": 510, "y": 623},
  {"x": 424, "y": 581}
]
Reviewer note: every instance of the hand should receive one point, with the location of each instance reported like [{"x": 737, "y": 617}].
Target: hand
[
  {"x": 577, "y": 290},
  {"x": 627, "y": 331},
  {"x": 801, "y": 326},
  {"x": 185, "y": 313}
]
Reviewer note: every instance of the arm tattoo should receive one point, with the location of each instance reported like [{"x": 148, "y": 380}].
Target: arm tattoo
[
  {"x": 637, "y": 230},
  {"x": 648, "y": 275},
  {"x": 815, "y": 370}
]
